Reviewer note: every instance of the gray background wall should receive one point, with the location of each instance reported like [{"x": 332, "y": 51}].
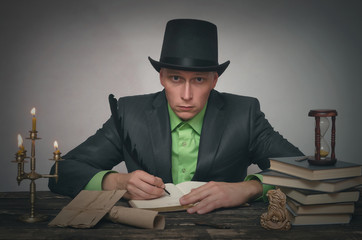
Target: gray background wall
[{"x": 65, "y": 57}]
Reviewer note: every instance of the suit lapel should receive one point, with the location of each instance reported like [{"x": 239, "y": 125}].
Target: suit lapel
[
  {"x": 212, "y": 130},
  {"x": 159, "y": 127}
]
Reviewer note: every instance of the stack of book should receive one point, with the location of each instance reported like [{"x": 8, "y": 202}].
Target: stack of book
[{"x": 316, "y": 194}]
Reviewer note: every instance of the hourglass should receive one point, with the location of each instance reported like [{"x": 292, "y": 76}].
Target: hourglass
[{"x": 322, "y": 148}]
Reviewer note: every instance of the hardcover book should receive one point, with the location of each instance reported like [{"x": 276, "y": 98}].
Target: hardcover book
[
  {"x": 331, "y": 185},
  {"x": 307, "y": 197},
  {"x": 168, "y": 203},
  {"x": 331, "y": 208},
  {"x": 293, "y": 166},
  {"x": 318, "y": 219}
]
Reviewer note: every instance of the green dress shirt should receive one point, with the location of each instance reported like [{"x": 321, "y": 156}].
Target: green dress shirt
[{"x": 185, "y": 145}]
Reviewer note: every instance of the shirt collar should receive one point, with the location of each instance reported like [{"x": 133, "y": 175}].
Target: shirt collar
[{"x": 195, "y": 122}]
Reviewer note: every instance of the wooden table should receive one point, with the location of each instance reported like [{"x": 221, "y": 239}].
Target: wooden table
[{"x": 242, "y": 223}]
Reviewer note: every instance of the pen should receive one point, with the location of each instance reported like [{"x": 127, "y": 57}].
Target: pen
[
  {"x": 117, "y": 122},
  {"x": 164, "y": 189},
  {"x": 113, "y": 105},
  {"x": 167, "y": 192}
]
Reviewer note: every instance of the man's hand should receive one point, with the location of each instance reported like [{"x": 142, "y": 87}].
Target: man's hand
[
  {"x": 139, "y": 184},
  {"x": 215, "y": 195}
]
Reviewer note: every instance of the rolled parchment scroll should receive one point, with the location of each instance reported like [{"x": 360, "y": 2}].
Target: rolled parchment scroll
[{"x": 136, "y": 217}]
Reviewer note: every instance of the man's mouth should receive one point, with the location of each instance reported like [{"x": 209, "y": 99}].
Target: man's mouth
[{"x": 185, "y": 108}]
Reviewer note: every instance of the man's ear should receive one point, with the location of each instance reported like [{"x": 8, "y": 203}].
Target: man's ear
[
  {"x": 216, "y": 77},
  {"x": 161, "y": 76}
]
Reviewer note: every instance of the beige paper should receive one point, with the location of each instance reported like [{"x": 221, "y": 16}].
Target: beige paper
[
  {"x": 136, "y": 217},
  {"x": 87, "y": 208}
]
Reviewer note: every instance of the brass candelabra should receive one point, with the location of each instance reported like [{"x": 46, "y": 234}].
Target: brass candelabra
[{"x": 20, "y": 157}]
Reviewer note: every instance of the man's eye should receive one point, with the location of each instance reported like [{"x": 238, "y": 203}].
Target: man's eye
[
  {"x": 175, "y": 78},
  {"x": 199, "y": 79}
]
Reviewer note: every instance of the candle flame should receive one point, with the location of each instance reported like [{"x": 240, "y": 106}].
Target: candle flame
[
  {"x": 33, "y": 111},
  {"x": 55, "y": 145},
  {"x": 20, "y": 141}
]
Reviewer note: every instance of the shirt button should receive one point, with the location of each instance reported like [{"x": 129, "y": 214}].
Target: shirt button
[
  {"x": 183, "y": 144},
  {"x": 183, "y": 170}
]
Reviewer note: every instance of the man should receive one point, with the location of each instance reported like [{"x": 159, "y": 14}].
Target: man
[{"x": 188, "y": 131}]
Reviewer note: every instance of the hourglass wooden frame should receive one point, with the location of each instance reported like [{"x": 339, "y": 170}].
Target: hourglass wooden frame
[{"x": 317, "y": 114}]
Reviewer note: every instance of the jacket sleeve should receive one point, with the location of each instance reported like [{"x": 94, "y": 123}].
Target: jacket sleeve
[
  {"x": 265, "y": 142},
  {"x": 102, "y": 151}
]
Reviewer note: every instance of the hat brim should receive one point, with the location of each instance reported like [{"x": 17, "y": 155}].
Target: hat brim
[{"x": 217, "y": 68}]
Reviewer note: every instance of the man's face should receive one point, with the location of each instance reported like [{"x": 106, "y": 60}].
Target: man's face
[{"x": 187, "y": 92}]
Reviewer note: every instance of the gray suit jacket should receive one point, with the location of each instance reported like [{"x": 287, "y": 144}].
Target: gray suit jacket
[{"x": 234, "y": 135}]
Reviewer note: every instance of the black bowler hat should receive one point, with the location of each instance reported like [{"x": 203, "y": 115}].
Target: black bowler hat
[{"x": 190, "y": 45}]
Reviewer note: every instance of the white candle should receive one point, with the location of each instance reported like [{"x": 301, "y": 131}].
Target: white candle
[
  {"x": 33, "y": 120},
  {"x": 56, "y": 150},
  {"x": 20, "y": 144}
]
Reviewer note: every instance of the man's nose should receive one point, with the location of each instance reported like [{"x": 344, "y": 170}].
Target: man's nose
[{"x": 187, "y": 91}]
